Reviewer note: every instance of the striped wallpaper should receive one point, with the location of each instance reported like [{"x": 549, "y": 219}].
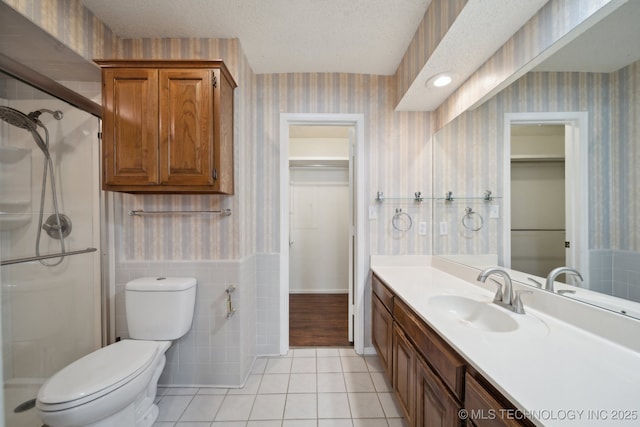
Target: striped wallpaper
[
  {"x": 193, "y": 237},
  {"x": 71, "y": 23},
  {"x": 469, "y": 151},
  {"x": 437, "y": 20},
  {"x": 398, "y": 151},
  {"x": 555, "y": 20}
]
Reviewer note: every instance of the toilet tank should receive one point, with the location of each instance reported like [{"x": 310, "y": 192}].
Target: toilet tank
[{"x": 160, "y": 308}]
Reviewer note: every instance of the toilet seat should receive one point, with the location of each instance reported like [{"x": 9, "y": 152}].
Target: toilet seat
[{"x": 97, "y": 374}]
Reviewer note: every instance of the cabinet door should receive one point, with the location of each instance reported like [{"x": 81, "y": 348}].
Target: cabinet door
[
  {"x": 130, "y": 127},
  {"x": 186, "y": 127},
  {"x": 487, "y": 409},
  {"x": 435, "y": 406},
  {"x": 404, "y": 374},
  {"x": 381, "y": 327}
]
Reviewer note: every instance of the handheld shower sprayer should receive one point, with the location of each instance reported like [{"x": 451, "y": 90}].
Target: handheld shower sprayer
[{"x": 58, "y": 225}]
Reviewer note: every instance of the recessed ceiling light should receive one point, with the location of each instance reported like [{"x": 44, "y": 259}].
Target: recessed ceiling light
[{"x": 440, "y": 80}]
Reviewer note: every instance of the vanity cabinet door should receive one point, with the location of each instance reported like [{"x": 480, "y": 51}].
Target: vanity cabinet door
[
  {"x": 404, "y": 374},
  {"x": 435, "y": 406},
  {"x": 381, "y": 331},
  {"x": 444, "y": 361},
  {"x": 486, "y": 408}
]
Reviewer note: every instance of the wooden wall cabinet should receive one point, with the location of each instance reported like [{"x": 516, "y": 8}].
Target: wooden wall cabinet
[
  {"x": 432, "y": 382},
  {"x": 167, "y": 127}
]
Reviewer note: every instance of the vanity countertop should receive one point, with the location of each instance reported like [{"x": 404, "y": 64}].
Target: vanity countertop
[{"x": 556, "y": 373}]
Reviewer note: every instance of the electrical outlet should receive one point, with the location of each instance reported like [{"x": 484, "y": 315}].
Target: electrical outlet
[
  {"x": 444, "y": 228},
  {"x": 422, "y": 228},
  {"x": 494, "y": 211}
]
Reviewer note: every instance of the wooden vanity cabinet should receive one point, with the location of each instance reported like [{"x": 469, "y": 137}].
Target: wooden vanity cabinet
[
  {"x": 430, "y": 379},
  {"x": 167, "y": 127},
  {"x": 382, "y": 324},
  {"x": 404, "y": 373},
  {"x": 435, "y": 405},
  {"x": 489, "y": 409}
]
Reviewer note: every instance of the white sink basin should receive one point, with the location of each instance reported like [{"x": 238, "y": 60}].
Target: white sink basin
[{"x": 477, "y": 314}]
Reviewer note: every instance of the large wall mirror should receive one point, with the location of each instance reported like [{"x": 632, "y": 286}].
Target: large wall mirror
[{"x": 559, "y": 149}]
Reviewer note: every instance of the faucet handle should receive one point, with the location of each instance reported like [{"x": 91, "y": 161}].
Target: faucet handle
[
  {"x": 538, "y": 284},
  {"x": 517, "y": 301},
  {"x": 498, "y": 296}
]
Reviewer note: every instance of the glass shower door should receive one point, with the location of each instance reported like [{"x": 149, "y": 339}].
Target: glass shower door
[{"x": 50, "y": 307}]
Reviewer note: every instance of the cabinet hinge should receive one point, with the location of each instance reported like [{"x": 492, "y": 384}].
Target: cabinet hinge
[
  {"x": 214, "y": 81},
  {"x": 214, "y": 174},
  {"x": 99, "y": 135}
]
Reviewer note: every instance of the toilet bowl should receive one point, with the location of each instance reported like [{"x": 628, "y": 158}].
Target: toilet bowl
[{"x": 116, "y": 385}]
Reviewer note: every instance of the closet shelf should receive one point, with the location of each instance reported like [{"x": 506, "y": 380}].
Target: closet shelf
[{"x": 318, "y": 161}]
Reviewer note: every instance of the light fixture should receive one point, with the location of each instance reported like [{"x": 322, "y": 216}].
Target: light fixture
[{"x": 440, "y": 80}]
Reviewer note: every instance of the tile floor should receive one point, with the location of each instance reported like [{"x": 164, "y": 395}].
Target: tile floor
[{"x": 319, "y": 387}]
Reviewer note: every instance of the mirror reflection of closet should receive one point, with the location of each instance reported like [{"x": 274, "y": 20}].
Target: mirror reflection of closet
[{"x": 538, "y": 231}]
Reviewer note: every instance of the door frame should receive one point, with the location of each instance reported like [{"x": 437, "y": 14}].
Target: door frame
[
  {"x": 359, "y": 259},
  {"x": 576, "y": 182}
]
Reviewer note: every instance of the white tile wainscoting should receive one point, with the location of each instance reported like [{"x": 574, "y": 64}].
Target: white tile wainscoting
[{"x": 217, "y": 351}]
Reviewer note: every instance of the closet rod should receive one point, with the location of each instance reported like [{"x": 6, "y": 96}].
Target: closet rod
[
  {"x": 140, "y": 212},
  {"x": 538, "y": 229},
  {"x": 39, "y": 257}
]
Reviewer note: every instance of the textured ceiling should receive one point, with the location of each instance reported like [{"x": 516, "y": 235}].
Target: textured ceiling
[
  {"x": 277, "y": 36},
  {"x": 347, "y": 36}
]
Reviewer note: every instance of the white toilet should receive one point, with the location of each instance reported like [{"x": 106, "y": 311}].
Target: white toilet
[{"x": 116, "y": 385}]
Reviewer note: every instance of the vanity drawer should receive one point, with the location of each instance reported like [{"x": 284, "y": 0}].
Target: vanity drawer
[
  {"x": 382, "y": 292},
  {"x": 444, "y": 360},
  {"x": 486, "y": 408}
]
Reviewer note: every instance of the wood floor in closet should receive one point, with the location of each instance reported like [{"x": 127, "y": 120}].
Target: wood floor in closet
[{"x": 318, "y": 320}]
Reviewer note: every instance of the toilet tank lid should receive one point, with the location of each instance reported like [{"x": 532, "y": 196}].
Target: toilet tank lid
[{"x": 161, "y": 284}]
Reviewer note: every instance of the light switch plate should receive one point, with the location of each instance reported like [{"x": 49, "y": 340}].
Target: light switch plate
[
  {"x": 422, "y": 228},
  {"x": 444, "y": 228},
  {"x": 372, "y": 212}
]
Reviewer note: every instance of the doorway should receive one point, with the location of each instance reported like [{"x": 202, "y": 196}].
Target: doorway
[
  {"x": 320, "y": 197},
  {"x": 356, "y": 264},
  {"x": 557, "y": 179}
]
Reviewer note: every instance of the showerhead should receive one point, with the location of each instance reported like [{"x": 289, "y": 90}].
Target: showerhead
[
  {"x": 17, "y": 118},
  {"x": 21, "y": 120}
]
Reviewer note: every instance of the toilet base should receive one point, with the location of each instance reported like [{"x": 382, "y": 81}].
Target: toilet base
[{"x": 142, "y": 410}]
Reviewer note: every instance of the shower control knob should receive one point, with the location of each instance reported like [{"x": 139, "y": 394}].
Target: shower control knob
[{"x": 52, "y": 228}]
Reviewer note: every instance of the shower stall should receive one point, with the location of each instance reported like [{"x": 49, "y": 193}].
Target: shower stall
[{"x": 49, "y": 241}]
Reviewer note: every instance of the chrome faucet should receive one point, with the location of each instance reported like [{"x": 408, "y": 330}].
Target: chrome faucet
[
  {"x": 505, "y": 298},
  {"x": 502, "y": 295},
  {"x": 548, "y": 285}
]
